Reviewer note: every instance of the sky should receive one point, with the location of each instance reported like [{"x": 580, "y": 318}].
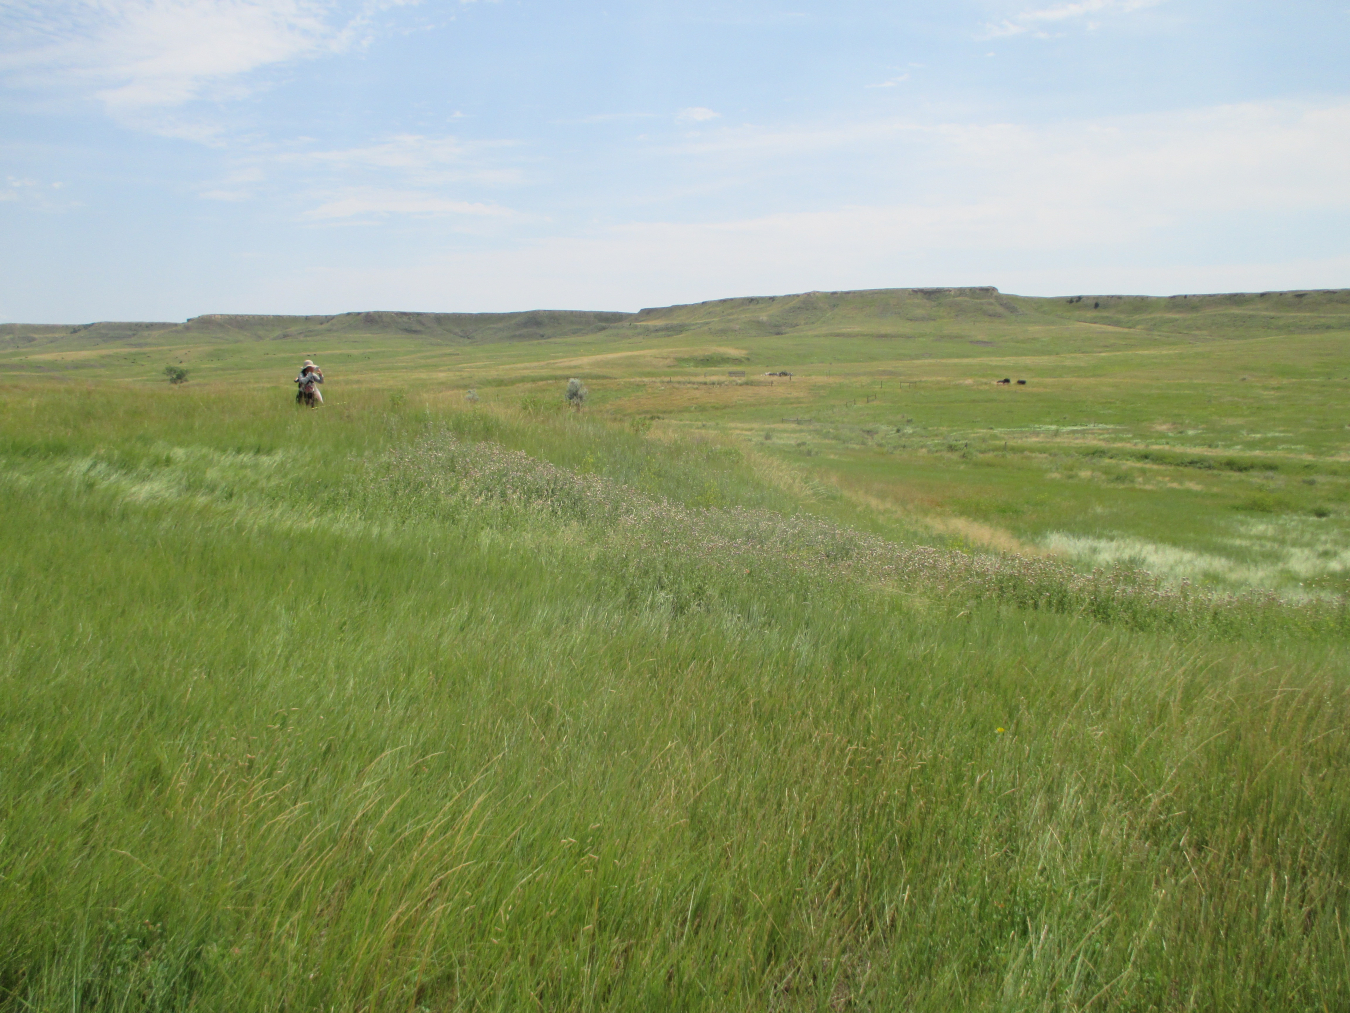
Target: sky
[{"x": 161, "y": 159}]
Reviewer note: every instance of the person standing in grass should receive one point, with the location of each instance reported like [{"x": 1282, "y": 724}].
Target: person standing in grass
[{"x": 308, "y": 383}]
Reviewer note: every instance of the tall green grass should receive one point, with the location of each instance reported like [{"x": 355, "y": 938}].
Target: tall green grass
[{"x": 373, "y": 709}]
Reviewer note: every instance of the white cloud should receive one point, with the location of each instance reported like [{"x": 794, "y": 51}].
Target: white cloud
[
  {"x": 656, "y": 265},
  {"x": 1112, "y": 205},
  {"x": 752, "y": 142},
  {"x": 1239, "y": 158},
  {"x": 890, "y": 82},
  {"x": 695, "y": 114},
  {"x": 606, "y": 118},
  {"x": 1037, "y": 21},
  {"x": 415, "y": 156},
  {"x": 236, "y": 186},
  {"x": 35, "y": 194},
  {"x": 1254, "y": 155},
  {"x": 373, "y": 203},
  {"x": 137, "y": 55},
  {"x": 406, "y": 174}
]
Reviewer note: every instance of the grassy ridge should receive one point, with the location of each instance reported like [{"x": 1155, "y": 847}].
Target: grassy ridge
[
  {"x": 912, "y": 322},
  {"x": 393, "y": 706}
]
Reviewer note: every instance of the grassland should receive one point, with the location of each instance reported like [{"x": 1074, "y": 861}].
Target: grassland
[
  {"x": 418, "y": 703},
  {"x": 1203, "y": 438}
]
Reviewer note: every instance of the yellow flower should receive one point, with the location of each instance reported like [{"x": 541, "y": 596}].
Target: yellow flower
[{"x": 999, "y": 731}]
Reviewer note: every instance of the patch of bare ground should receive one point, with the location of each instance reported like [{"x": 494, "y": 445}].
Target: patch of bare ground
[
  {"x": 984, "y": 535},
  {"x": 977, "y": 533}
]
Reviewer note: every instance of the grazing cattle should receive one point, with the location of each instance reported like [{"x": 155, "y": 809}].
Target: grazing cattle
[
  {"x": 1004, "y": 380},
  {"x": 1021, "y": 383}
]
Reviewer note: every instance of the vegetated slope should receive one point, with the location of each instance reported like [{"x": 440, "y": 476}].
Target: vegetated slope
[
  {"x": 433, "y": 327},
  {"x": 1231, "y": 315},
  {"x": 80, "y": 335},
  {"x": 606, "y": 725},
  {"x": 877, "y": 310},
  {"x": 941, "y": 313},
  {"x": 965, "y": 311},
  {"x": 531, "y": 325}
]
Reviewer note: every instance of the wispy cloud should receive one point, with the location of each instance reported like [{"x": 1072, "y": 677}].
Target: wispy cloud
[
  {"x": 1040, "y": 20},
  {"x": 403, "y": 175},
  {"x": 606, "y": 118},
  {"x": 1266, "y": 155},
  {"x": 138, "y": 55},
  {"x": 890, "y": 82},
  {"x": 35, "y": 194},
  {"x": 760, "y": 143},
  {"x": 695, "y": 114},
  {"x": 426, "y": 159},
  {"x": 1014, "y": 205},
  {"x": 240, "y": 185},
  {"x": 370, "y": 203},
  {"x": 406, "y": 174}
]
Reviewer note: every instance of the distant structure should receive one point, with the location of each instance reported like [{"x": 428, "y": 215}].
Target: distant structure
[{"x": 736, "y": 372}]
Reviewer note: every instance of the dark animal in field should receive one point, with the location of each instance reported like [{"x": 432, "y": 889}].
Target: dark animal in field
[
  {"x": 1021, "y": 383},
  {"x": 784, "y": 373},
  {"x": 1004, "y": 380}
]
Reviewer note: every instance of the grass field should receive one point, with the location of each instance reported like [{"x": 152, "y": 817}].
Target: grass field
[
  {"x": 416, "y": 702},
  {"x": 1204, "y": 438}
]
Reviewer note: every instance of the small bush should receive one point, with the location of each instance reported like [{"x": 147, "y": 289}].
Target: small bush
[
  {"x": 176, "y": 374},
  {"x": 576, "y": 393},
  {"x": 1262, "y": 503}
]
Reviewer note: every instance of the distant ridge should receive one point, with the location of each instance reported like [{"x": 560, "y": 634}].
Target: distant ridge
[
  {"x": 879, "y": 310},
  {"x": 458, "y": 327}
]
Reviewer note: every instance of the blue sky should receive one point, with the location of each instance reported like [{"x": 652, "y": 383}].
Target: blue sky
[{"x": 164, "y": 158}]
